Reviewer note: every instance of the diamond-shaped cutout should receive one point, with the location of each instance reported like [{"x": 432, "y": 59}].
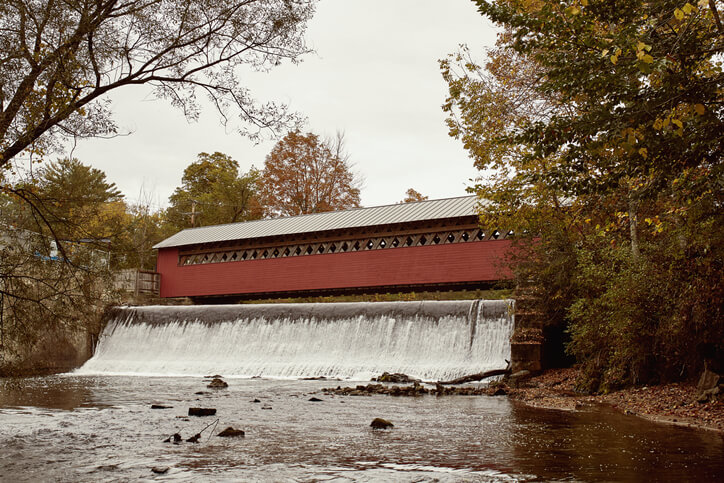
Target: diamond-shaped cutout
[
  {"x": 234, "y": 257},
  {"x": 332, "y": 248},
  {"x": 382, "y": 244},
  {"x": 298, "y": 251},
  {"x": 276, "y": 253},
  {"x": 287, "y": 252},
  {"x": 369, "y": 244},
  {"x": 480, "y": 235},
  {"x": 224, "y": 257},
  {"x": 395, "y": 243},
  {"x": 344, "y": 247},
  {"x": 309, "y": 250},
  {"x": 245, "y": 255},
  {"x": 436, "y": 240},
  {"x": 254, "y": 255},
  {"x": 356, "y": 246},
  {"x": 496, "y": 234},
  {"x": 423, "y": 240},
  {"x": 408, "y": 242},
  {"x": 450, "y": 238},
  {"x": 465, "y": 236}
]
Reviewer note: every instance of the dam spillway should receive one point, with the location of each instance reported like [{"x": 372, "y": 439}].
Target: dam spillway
[{"x": 432, "y": 340}]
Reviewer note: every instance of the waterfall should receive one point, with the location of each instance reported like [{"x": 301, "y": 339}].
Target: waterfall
[{"x": 432, "y": 340}]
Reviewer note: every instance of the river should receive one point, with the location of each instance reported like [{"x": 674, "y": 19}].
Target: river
[{"x": 102, "y": 428}]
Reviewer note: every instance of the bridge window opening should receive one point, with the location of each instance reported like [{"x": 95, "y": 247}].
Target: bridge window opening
[
  {"x": 509, "y": 234},
  {"x": 341, "y": 246}
]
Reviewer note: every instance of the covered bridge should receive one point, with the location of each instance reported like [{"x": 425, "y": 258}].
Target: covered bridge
[{"x": 426, "y": 245}]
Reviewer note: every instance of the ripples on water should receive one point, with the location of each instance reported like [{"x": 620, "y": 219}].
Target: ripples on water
[{"x": 81, "y": 428}]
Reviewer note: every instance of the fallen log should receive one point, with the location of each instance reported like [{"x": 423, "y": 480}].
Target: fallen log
[{"x": 476, "y": 377}]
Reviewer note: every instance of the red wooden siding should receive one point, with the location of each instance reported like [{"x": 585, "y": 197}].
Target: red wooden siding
[{"x": 436, "y": 264}]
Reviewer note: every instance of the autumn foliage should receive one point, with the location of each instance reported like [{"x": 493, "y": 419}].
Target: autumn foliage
[
  {"x": 305, "y": 174},
  {"x": 598, "y": 128}
]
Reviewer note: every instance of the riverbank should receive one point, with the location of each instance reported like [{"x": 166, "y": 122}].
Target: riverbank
[{"x": 674, "y": 403}]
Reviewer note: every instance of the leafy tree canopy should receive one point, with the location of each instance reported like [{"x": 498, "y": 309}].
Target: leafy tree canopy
[
  {"x": 598, "y": 129},
  {"x": 213, "y": 192},
  {"x": 412, "y": 195},
  {"x": 58, "y": 59},
  {"x": 305, "y": 174}
]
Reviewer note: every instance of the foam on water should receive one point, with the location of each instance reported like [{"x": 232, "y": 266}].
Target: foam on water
[{"x": 432, "y": 340}]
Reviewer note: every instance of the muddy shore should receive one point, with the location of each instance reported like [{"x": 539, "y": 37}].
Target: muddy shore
[{"x": 674, "y": 403}]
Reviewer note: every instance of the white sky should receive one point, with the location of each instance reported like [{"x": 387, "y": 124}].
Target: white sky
[{"x": 374, "y": 75}]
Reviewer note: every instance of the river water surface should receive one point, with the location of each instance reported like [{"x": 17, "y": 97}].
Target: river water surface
[{"x": 102, "y": 428}]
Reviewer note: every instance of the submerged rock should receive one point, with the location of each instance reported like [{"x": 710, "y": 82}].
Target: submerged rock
[
  {"x": 194, "y": 439},
  {"x": 160, "y": 470},
  {"x": 160, "y": 406},
  {"x": 175, "y": 438},
  {"x": 379, "y": 423},
  {"x": 202, "y": 411},
  {"x": 256, "y": 401},
  {"x": 314, "y": 399},
  {"x": 231, "y": 433},
  {"x": 217, "y": 383}
]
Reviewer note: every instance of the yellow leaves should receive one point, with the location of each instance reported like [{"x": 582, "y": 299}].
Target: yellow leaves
[
  {"x": 658, "y": 124},
  {"x": 700, "y": 109},
  {"x": 573, "y": 10},
  {"x": 614, "y": 57},
  {"x": 687, "y": 9},
  {"x": 644, "y": 153}
]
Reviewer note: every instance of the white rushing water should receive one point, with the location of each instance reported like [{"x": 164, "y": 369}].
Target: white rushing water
[{"x": 430, "y": 340}]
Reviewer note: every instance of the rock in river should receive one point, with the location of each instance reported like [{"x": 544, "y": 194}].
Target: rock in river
[
  {"x": 231, "y": 433},
  {"x": 379, "y": 423},
  {"x": 202, "y": 411},
  {"x": 217, "y": 383}
]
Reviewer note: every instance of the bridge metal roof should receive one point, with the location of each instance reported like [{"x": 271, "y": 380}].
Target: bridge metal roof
[{"x": 332, "y": 220}]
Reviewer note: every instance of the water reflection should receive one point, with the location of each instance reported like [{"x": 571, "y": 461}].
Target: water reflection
[{"x": 102, "y": 428}]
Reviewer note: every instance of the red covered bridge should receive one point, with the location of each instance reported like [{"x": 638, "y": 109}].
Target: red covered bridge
[{"x": 426, "y": 245}]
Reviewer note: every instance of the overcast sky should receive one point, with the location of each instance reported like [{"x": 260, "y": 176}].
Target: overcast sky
[{"x": 374, "y": 75}]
